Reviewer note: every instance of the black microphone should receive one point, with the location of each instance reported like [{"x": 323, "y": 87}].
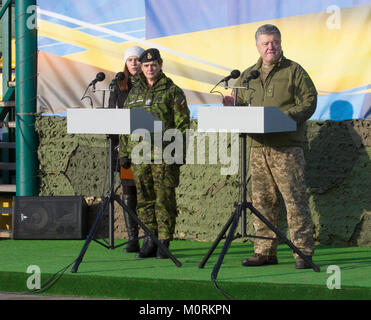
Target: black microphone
[
  {"x": 119, "y": 77},
  {"x": 253, "y": 75},
  {"x": 234, "y": 75},
  {"x": 99, "y": 77}
]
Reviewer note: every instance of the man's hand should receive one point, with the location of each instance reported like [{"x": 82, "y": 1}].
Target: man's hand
[{"x": 228, "y": 101}]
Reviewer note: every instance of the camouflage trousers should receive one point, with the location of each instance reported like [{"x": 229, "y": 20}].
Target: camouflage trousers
[
  {"x": 156, "y": 201},
  {"x": 274, "y": 170}
]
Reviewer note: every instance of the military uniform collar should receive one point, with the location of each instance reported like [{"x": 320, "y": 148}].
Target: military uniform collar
[
  {"x": 161, "y": 79},
  {"x": 280, "y": 61}
]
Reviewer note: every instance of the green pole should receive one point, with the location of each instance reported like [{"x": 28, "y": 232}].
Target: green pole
[{"x": 26, "y": 91}]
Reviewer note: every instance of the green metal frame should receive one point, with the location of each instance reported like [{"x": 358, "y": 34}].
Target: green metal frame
[
  {"x": 6, "y": 20},
  {"x": 26, "y": 95},
  {"x": 8, "y": 91}
]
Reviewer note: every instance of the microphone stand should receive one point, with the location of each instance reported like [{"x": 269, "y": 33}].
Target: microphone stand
[
  {"x": 243, "y": 170},
  {"x": 103, "y": 94},
  {"x": 84, "y": 96}
]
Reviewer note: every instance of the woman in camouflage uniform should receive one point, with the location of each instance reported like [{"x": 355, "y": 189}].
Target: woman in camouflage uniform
[{"x": 156, "y": 183}]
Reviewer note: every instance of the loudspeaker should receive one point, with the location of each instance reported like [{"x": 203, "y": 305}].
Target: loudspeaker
[{"x": 44, "y": 218}]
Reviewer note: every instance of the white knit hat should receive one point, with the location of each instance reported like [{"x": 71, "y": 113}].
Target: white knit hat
[{"x": 133, "y": 51}]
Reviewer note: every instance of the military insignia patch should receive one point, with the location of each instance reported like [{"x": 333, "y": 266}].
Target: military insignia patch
[
  {"x": 150, "y": 55},
  {"x": 148, "y": 102}
]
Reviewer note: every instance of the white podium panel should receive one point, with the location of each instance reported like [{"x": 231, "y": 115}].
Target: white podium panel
[
  {"x": 243, "y": 119},
  {"x": 108, "y": 121}
]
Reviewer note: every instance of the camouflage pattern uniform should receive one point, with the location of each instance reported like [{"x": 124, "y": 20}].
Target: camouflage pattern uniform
[
  {"x": 156, "y": 183},
  {"x": 281, "y": 169},
  {"x": 276, "y": 159}
]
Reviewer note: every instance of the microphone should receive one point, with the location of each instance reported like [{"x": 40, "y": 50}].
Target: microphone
[
  {"x": 234, "y": 75},
  {"x": 119, "y": 77},
  {"x": 253, "y": 75},
  {"x": 99, "y": 77}
]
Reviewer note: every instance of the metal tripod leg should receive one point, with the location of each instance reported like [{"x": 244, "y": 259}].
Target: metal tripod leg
[
  {"x": 91, "y": 235},
  {"x": 217, "y": 240},
  {"x": 134, "y": 216},
  {"x": 227, "y": 243},
  {"x": 233, "y": 218},
  {"x": 240, "y": 208},
  {"x": 148, "y": 232},
  {"x": 282, "y": 237},
  {"x": 110, "y": 200}
]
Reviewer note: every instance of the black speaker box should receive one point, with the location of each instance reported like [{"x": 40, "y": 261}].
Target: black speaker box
[{"x": 44, "y": 218}]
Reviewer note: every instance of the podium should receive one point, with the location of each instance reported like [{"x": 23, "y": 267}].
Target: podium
[
  {"x": 244, "y": 120},
  {"x": 108, "y": 121},
  {"x": 111, "y": 122}
]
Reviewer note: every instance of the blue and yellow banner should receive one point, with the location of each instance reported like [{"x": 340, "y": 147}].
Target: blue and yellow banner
[{"x": 201, "y": 42}]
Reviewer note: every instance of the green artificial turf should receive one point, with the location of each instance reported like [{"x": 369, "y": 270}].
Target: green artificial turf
[{"x": 114, "y": 274}]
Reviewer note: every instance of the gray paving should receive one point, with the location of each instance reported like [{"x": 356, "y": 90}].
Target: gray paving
[{"x": 19, "y": 296}]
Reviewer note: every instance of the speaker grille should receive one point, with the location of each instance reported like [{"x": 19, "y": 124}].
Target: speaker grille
[{"x": 61, "y": 217}]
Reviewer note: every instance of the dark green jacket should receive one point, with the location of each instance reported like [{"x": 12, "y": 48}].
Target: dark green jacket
[
  {"x": 288, "y": 87},
  {"x": 164, "y": 100}
]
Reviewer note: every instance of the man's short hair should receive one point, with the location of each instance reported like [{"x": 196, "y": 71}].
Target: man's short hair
[{"x": 267, "y": 29}]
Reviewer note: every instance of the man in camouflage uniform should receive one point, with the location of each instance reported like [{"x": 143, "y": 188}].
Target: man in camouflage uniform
[
  {"x": 276, "y": 159},
  {"x": 156, "y": 183}
]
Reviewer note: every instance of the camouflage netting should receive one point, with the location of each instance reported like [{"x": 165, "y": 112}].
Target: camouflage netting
[
  {"x": 74, "y": 165},
  {"x": 338, "y": 177}
]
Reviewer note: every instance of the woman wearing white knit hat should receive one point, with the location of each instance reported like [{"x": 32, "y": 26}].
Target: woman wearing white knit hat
[
  {"x": 118, "y": 95},
  {"x": 132, "y": 68}
]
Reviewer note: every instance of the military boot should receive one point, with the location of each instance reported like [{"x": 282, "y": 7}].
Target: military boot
[
  {"x": 149, "y": 248},
  {"x": 160, "y": 254},
  {"x": 302, "y": 264},
  {"x": 131, "y": 226},
  {"x": 257, "y": 260}
]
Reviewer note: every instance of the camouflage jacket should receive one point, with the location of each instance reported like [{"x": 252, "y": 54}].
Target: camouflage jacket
[
  {"x": 164, "y": 100},
  {"x": 287, "y": 87}
]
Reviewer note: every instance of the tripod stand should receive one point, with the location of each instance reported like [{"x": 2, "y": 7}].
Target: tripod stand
[
  {"x": 109, "y": 200},
  {"x": 234, "y": 219}
]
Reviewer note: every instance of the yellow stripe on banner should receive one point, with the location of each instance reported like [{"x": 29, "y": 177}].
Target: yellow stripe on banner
[
  {"x": 336, "y": 59},
  {"x": 183, "y": 82},
  {"x": 108, "y": 55},
  {"x": 77, "y": 38}
]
